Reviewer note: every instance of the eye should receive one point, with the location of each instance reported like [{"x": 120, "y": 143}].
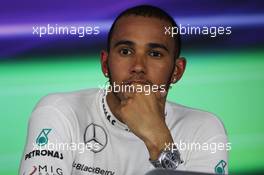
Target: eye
[
  {"x": 125, "y": 51},
  {"x": 154, "y": 53}
]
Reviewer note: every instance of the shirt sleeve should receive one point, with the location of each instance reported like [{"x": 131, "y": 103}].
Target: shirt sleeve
[
  {"x": 209, "y": 151},
  {"x": 49, "y": 138}
]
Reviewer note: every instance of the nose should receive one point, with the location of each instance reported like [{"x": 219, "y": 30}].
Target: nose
[{"x": 138, "y": 65}]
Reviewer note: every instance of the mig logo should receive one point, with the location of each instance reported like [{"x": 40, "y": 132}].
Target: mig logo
[{"x": 42, "y": 138}]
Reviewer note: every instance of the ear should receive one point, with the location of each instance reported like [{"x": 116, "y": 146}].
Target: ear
[
  {"x": 104, "y": 66},
  {"x": 179, "y": 69}
]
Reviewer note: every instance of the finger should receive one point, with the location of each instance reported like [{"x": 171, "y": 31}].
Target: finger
[
  {"x": 128, "y": 95},
  {"x": 161, "y": 98},
  {"x": 135, "y": 89},
  {"x": 161, "y": 95}
]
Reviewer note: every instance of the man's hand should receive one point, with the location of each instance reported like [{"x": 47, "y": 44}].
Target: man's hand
[{"x": 144, "y": 115}]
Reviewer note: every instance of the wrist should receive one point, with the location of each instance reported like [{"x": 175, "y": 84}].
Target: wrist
[
  {"x": 156, "y": 146},
  {"x": 168, "y": 159}
]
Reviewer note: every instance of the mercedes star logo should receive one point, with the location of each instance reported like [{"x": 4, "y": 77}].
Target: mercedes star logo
[{"x": 95, "y": 134}]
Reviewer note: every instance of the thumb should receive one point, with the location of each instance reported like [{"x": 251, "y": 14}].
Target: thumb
[{"x": 161, "y": 95}]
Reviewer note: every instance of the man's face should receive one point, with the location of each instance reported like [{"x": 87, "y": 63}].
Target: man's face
[{"x": 140, "y": 52}]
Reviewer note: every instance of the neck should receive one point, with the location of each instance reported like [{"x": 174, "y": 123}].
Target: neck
[{"x": 113, "y": 102}]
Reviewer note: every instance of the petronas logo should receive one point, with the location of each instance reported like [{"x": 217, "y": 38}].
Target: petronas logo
[
  {"x": 220, "y": 167},
  {"x": 42, "y": 138}
]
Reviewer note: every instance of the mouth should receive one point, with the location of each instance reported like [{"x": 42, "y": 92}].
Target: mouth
[{"x": 137, "y": 81}]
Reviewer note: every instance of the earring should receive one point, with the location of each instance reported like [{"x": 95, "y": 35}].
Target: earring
[{"x": 106, "y": 74}]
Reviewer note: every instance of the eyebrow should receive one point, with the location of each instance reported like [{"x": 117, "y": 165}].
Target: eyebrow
[
  {"x": 150, "y": 45},
  {"x": 124, "y": 42},
  {"x": 158, "y": 45}
]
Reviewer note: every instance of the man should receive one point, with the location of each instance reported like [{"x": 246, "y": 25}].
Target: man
[{"x": 133, "y": 129}]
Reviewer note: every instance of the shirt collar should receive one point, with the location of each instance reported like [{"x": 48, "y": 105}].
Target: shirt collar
[{"x": 109, "y": 115}]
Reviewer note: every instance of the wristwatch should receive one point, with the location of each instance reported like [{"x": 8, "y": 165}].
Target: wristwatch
[{"x": 168, "y": 159}]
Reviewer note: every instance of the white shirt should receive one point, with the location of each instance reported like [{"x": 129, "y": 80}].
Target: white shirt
[{"x": 63, "y": 122}]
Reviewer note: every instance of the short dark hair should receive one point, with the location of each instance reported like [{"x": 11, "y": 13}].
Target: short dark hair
[{"x": 147, "y": 11}]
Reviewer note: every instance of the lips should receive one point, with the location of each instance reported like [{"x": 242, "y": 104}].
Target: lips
[{"x": 137, "y": 81}]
